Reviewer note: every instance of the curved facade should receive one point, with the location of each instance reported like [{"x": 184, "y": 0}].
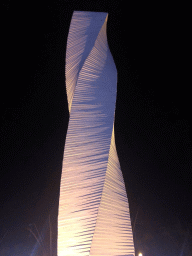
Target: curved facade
[{"x": 94, "y": 217}]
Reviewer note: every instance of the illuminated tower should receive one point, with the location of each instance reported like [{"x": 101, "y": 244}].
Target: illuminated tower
[{"x": 94, "y": 217}]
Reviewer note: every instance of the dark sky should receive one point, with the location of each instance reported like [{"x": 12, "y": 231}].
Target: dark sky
[{"x": 152, "y": 122}]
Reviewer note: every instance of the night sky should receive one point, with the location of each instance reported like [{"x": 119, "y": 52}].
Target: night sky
[{"x": 152, "y": 121}]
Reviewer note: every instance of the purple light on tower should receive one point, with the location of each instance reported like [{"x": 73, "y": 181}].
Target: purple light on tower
[{"x": 94, "y": 217}]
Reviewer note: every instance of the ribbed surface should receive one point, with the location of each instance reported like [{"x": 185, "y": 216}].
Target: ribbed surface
[{"x": 93, "y": 207}]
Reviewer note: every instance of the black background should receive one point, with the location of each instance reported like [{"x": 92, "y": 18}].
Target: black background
[{"x": 152, "y": 122}]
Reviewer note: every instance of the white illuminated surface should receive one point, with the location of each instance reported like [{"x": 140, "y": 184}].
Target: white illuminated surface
[{"x": 94, "y": 217}]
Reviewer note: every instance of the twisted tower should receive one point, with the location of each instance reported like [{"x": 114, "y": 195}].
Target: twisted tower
[{"x": 94, "y": 217}]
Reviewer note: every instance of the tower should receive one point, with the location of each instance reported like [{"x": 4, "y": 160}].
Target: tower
[{"x": 94, "y": 217}]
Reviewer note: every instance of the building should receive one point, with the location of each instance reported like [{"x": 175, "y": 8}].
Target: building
[{"x": 94, "y": 217}]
